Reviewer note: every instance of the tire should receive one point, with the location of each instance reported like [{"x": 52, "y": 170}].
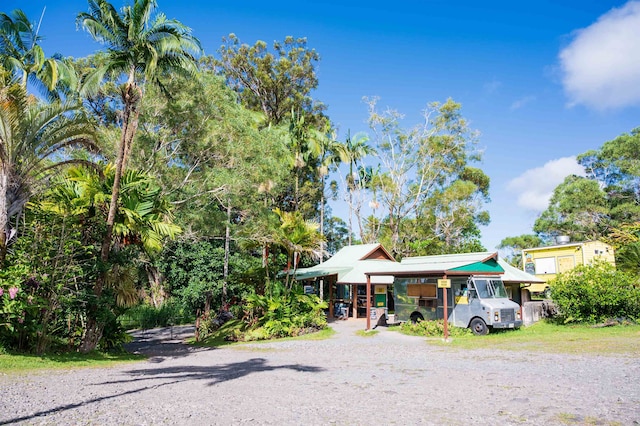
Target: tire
[
  {"x": 416, "y": 317},
  {"x": 479, "y": 327}
]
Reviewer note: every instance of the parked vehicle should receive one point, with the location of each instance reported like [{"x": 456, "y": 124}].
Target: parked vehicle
[{"x": 477, "y": 302}]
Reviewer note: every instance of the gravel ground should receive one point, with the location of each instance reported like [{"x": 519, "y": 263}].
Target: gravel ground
[{"x": 348, "y": 379}]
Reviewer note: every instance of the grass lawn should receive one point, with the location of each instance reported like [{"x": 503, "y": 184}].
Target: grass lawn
[
  {"x": 16, "y": 364},
  {"x": 547, "y": 337}
]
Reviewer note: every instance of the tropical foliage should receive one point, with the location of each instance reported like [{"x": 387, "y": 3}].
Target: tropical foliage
[
  {"x": 281, "y": 312},
  {"x": 148, "y": 183},
  {"x": 596, "y": 293}
]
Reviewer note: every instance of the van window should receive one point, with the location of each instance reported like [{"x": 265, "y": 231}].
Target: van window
[{"x": 489, "y": 289}]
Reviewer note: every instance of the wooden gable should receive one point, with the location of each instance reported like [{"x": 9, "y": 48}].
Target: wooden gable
[{"x": 379, "y": 253}]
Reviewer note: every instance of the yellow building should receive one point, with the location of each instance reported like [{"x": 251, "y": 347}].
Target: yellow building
[{"x": 547, "y": 262}]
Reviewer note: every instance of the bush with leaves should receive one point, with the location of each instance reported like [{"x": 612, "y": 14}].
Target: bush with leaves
[
  {"x": 281, "y": 312},
  {"x": 432, "y": 328},
  {"x": 20, "y": 307},
  {"x": 596, "y": 293},
  {"x": 147, "y": 316},
  {"x": 193, "y": 270}
]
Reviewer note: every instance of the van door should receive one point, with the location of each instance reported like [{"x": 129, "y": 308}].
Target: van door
[{"x": 461, "y": 310}]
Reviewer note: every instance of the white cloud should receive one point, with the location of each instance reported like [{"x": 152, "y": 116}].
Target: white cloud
[
  {"x": 601, "y": 65},
  {"x": 522, "y": 102},
  {"x": 535, "y": 187}
]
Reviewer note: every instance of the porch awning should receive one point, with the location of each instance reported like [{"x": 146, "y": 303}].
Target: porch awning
[{"x": 318, "y": 271}]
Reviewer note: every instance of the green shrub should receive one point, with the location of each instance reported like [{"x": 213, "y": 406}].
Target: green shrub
[
  {"x": 596, "y": 293},
  {"x": 432, "y": 328},
  {"x": 282, "y": 312},
  {"x": 147, "y": 316}
]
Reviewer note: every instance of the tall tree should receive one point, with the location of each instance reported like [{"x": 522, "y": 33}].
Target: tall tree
[
  {"x": 578, "y": 208},
  {"x": 351, "y": 152},
  {"x": 274, "y": 83},
  {"x": 616, "y": 166},
  {"x": 141, "y": 48},
  {"x": 32, "y": 137},
  {"x": 218, "y": 165},
  {"x": 421, "y": 162}
]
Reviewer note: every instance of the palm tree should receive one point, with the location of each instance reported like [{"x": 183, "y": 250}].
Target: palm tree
[
  {"x": 298, "y": 237},
  {"x": 352, "y": 151},
  {"x": 144, "y": 216},
  {"x": 33, "y": 135},
  {"x": 143, "y": 51},
  {"x": 140, "y": 50},
  {"x": 306, "y": 145},
  {"x": 21, "y": 53}
]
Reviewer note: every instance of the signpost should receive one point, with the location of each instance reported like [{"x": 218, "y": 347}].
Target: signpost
[{"x": 444, "y": 284}]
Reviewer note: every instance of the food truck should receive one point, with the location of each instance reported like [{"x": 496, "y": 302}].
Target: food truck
[{"x": 478, "y": 302}]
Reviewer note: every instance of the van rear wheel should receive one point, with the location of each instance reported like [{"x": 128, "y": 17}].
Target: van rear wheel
[{"x": 479, "y": 327}]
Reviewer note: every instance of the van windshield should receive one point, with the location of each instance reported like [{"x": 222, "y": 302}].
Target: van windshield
[{"x": 489, "y": 289}]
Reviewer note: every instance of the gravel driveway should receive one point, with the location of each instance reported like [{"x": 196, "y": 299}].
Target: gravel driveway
[{"x": 384, "y": 379}]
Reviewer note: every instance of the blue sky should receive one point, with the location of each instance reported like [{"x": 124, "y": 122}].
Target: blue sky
[{"x": 541, "y": 81}]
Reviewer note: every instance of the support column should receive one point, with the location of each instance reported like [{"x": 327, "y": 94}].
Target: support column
[
  {"x": 368, "y": 302},
  {"x": 354, "y": 300}
]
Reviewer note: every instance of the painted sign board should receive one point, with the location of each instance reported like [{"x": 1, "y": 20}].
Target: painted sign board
[{"x": 444, "y": 283}]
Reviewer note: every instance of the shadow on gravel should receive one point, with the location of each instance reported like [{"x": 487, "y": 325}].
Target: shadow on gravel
[
  {"x": 175, "y": 375},
  {"x": 213, "y": 374},
  {"x": 160, "y": 343}
]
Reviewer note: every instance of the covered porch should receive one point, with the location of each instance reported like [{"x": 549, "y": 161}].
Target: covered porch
[{"x": 341, "y": 281}]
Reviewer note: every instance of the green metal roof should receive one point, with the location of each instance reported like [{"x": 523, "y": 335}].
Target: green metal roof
[
  {"x": 349, "y": 264},
  {"x": 489, "y": 266},
  {"x": 462, "y": 263}
]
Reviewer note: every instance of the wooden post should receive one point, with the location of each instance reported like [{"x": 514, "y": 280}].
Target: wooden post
[
  {"x": 331, "y": 313},
  {"x": 368, "y": 302},
  {"x": 354, "y": 301},
  {"x": 446, "y": 315},
  {"x": 444, "y": 284}
]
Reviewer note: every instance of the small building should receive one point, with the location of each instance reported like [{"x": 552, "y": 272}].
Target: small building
[
  {"x": 416, "y": 280},
  {"x": 546, "y": 262},
  {"x": 342, "y": 282}
]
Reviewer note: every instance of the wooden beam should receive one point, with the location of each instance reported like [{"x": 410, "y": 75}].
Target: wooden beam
[
  {"x": 368, "y": 302},
  {"x": 354, "y": 300}
]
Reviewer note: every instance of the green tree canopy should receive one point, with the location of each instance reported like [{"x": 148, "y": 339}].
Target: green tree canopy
[
  {"x": 514, "y": 246},
  {"x": 273, "y": 82},
  {"x": 578, "y": 208},
  {"x": 427, "y": 182}
]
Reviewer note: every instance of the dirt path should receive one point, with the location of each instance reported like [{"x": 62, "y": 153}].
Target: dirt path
[{"x": 388, "y": 378}]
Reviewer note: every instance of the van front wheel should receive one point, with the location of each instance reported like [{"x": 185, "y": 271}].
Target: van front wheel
[
  {"x": 479, "y": 327},
  {"x": 416, "y": 317}
]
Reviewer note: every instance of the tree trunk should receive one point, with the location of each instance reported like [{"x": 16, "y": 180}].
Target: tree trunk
[
  {"x": 321, "y": 289},
  {"x": 350, "y": 214},
  {"x": 92, "y": 334},
  {"x": 156, "y": 291},
  {"x": 395, "y": 234},
  {"x": 225, "y": 272},
  {"x": 131, "y": 98},
  {"x": 4, "y": 218}
]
